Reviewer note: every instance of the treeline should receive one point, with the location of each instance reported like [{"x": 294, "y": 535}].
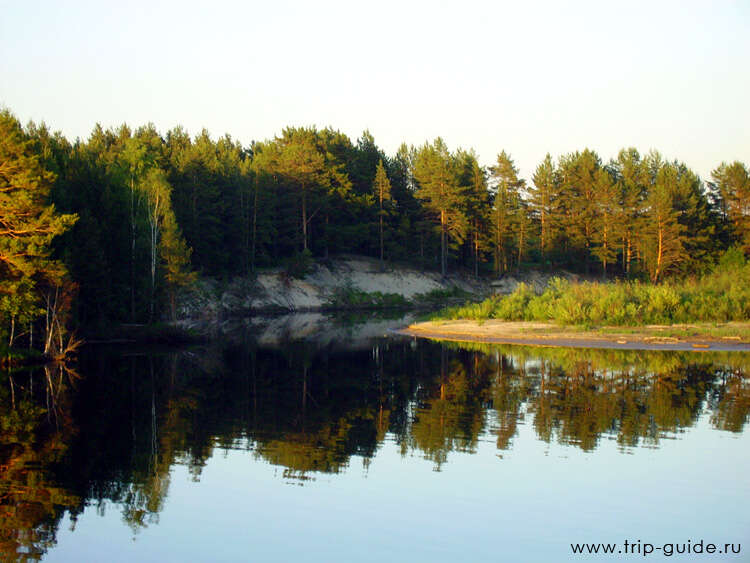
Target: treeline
[{"x": 153, "y": 210}]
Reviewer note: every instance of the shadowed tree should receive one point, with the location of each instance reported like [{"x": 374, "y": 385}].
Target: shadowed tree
[
  {"x": 477, "y": 204},
  {"x": 732, "y": 181},
  {"x": 605, "y": 219},
  {"x": 382, "y": 189},
  {"x": 504, "y": 209},
  {"x": 175, "y": 254},
  {"x": 631, "y": 177},
  {"x": 543, "y": 196}
]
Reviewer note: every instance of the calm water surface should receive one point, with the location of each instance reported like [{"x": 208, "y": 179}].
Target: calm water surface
[{"x": 377, "y": 449}]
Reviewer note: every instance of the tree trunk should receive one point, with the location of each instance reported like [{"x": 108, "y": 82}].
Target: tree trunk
[
  {"x": 476, "y": 250},
  {"x": 132, "y": 250},
  {"x": 421, "y": 249},
  {"x": 325, "y": 239},
  {"x": 443, "y": 237},
  {"x": 154, "y": 224},
  {"x": 659, "y": 253},
  {"x": 382, "y": 266},
  {"x": 255, "y": 225},
  {"x": 628, "y": 255},
  {"x": 244, "y": 216},
  {"x": 304, "y": 219}
]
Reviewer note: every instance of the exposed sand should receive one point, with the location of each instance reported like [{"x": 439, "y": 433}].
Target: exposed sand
[
  {"x": 548, "y": 334},
  {"x": 271, "y": 289}
]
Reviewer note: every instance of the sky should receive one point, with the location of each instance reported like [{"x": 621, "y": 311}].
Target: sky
[{"x": 525, "y": 77}]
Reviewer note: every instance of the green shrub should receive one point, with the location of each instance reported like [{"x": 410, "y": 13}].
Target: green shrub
[
  {"x": 299, "y": 265},
  {"x": 722, "y": 296},
  {"x": 349, "y": 297}
]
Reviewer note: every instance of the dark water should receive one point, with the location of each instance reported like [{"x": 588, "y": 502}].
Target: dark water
[{"x": 387, "y": 449}]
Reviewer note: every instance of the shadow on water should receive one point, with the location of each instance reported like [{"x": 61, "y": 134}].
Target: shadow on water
[{"x": 109, "y": 436}]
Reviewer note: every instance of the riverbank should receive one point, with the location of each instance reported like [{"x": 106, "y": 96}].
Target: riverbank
[
  {"x": 20, "y": 357},
  {"x": 733, "y": 336},
  {"x": 344, "y": 283}
]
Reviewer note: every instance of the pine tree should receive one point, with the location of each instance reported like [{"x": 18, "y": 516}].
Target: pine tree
[
  {"x": 310, "y": 164},
  {"x": 578, "y": 176},
  {"x": 663, "y": 239},
  {"x": 605, "y": 219},
  {"x": 504, "y": 209},
  {"x": 175, "y": 254},
  {"x": 543, "y": 201},
  {"x": 521, "y": 221},
  {"x": 401, "y": 175},
  {"x": 28, "y": 224},
  {"x": 436, "y": 172},
  {"x": 477, "y": 206},
  {"x": 732, "y": 182},
  {"x": 631, "y": 176},
  {"x": 698, "y": 218},
  {"x": 382, "y": 189}
]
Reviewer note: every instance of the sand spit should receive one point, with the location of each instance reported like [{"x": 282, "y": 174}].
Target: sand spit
[{"x": 548, "y": 334}]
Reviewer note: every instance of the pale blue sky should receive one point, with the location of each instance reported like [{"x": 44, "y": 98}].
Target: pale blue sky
[{"x": 527, "y": 77}]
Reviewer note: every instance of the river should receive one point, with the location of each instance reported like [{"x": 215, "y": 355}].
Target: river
[{"x": 376, "y": 447}]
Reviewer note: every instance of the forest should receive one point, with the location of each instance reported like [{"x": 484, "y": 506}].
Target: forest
[{"x": 109, "y": 229}]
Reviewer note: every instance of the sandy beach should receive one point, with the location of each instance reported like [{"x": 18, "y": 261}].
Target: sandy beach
[{"x": 652, "y": 337}]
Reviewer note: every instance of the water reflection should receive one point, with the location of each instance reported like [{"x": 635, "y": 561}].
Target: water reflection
[
  {"x": 36, "y": 431},
  {"x": 109, "y": 437}
]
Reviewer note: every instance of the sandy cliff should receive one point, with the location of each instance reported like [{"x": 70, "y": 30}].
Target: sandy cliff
[{"x": 272, "y": 291}]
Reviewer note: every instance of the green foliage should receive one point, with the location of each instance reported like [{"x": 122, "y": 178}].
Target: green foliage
[
  {"x": 440, "y": 296},
  {"x": 436, "y": 170},
  {"x": 722, "y": 296},
  {"x": 28, "y": 225},
  {"x": 299, "y": 265},
  {"x": 224, "y": 209},
  {"x": 509, "y": 214},
  {"x": 352, "y": 298},
  {"x": 733, "y": 259},
  {"x": 731, "y": 183}
]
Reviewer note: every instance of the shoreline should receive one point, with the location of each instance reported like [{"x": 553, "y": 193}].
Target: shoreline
[{"x": 694, "y": 337}]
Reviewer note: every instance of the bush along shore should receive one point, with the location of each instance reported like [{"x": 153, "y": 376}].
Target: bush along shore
[{"x": 719, "y": 297}]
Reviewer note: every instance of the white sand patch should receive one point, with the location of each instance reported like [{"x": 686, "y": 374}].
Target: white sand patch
[{"x": 274, "y": 290}]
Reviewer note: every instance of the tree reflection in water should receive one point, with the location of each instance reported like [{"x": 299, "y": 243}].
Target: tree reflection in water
[
  {"x": 109, "y": 437},
  {"x": 36, "y": 430}
]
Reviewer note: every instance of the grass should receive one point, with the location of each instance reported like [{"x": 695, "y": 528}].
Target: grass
[
  {"x": 352, "y": 298},
  {"x": 441, "y": 296},
  {"x": 720, "y": 297}
]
